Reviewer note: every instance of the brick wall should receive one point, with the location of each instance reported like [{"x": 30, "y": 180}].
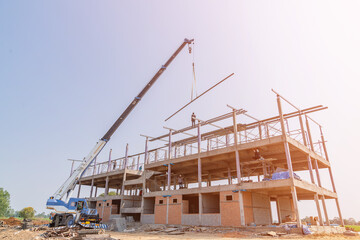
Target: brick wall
[
  {"x": 261, "y": 209},
  {"x": 100, "y": 206},
  {"x": 175, "y": 208},
  {"x": 248, "y": 207},
  {"x": 229, "y": 209},
  {"x": 286, "y": 208}
]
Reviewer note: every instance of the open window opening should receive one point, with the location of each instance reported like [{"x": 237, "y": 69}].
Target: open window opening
[
  {"x": 149, "y": 205},
  {"x": 190, "y": 203},
  {"x": 274, "y": 212},
  {"x": 115, "y": 207},
  {"x": 211, "y": 203},
  {"x": 130, "y": 216}
]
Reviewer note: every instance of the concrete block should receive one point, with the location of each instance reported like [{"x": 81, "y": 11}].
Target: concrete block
[{"x": 118, "y": 224}]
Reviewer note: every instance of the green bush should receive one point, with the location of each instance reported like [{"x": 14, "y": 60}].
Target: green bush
[{"x": 27, "y": 213}]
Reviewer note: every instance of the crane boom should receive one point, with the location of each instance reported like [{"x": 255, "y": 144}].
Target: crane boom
[
  {"x": 132, "y": 105},
  {"x": 69, "y": 185}
]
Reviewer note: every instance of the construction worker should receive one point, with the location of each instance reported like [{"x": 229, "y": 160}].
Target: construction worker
[
  {"x": 193, "y": 118},
  {"x": 257, "y": 154},
  {"x": 180, "y": 181}
]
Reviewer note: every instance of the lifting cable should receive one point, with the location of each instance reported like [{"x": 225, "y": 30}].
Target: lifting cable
[{"x": 193, "y": 85}]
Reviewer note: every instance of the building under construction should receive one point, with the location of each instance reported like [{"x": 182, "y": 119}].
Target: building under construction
[{"x": 222, "y": 176}]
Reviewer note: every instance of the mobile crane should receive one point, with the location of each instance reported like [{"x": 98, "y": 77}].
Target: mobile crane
[{"x": 69, "y": 211}]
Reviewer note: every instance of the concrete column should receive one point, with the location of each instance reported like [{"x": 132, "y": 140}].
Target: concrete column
[
  {"x": 229, "y": 175},
  {"x": 125, "y": 169},
  {"x": 107, "y": 186},
  {"x": 169, "y": 177},
  {"x": 289, "y": 163},
  {"x": 170, "y": 146},
  {"x": 143, "y": 191},
  {"x": 169, "y": 165},
  {"x": 316, "y": 198},
  {"x": 260, "y": 132},
  {"x": 78, "y": 195},
  {"x": 167, "y": 210},
  {"x": 92, "y": 186},
  {"x": 238, "y": 172},
  {"x": 199, "y": 159},
  {"x": 109, "y": 161},
  {"x": 96, "y": 191},
  {"x": 237, "y": 157},
  {"x": 200, "y": 209},
  {"x": 138, "y": 163},
  {"x": 278, "y": 209},
  {"x": 242, "y": 211},
  {"x": 325, "y": 211},
  {"x": 126, "y": 156},
  {"x": 146, "y": 158}
]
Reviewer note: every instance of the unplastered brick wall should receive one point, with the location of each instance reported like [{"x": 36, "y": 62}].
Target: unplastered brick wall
[
  {"x": 175, "y": 206},
  {"x": 248, "y": 208},
  {"x": 175, "y": 209},
  {"x": 261, "y": 209},
  {"x": 229, "y": 208},
  {"x": 285, "y": 205},
  {"x": 104, "y": 209}
]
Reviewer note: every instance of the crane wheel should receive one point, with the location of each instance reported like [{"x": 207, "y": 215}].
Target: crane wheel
[{"x": 69, "y": 221}]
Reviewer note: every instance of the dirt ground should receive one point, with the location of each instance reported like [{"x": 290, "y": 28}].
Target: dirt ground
[
  {"x": 16, "y": 222},
  {"x": 17, "y": 234}
]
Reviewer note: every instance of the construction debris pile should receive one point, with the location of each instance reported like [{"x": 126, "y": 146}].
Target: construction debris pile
[
  {"x": 44, "y": 232},
  {"x": 75, "y": 234},
  {"x": 226, "y": 232}
]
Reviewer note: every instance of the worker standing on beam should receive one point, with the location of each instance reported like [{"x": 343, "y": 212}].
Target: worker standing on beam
[{"x": 193, "y": 118}]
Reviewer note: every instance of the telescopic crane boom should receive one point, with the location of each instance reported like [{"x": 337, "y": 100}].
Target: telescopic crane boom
[{"x": 56, "y": 201}]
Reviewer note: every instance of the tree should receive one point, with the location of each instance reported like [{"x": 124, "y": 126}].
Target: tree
[
  {"x": 336, "y": 220},
  {"x": 27, "y": 213},
  {"x": 42, "y": 215},
  {"x": 350, "y": 221},
  {"x": 112, "y": 193},
  {"x": 4, "y": 203}
]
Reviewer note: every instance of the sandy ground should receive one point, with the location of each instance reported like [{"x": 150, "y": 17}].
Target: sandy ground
[
  {"x": 229, "y": 236},
  {"x": 16, "y": 234}
]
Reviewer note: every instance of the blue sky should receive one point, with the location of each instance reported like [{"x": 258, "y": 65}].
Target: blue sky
[{"x": 68, "y": 69}]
